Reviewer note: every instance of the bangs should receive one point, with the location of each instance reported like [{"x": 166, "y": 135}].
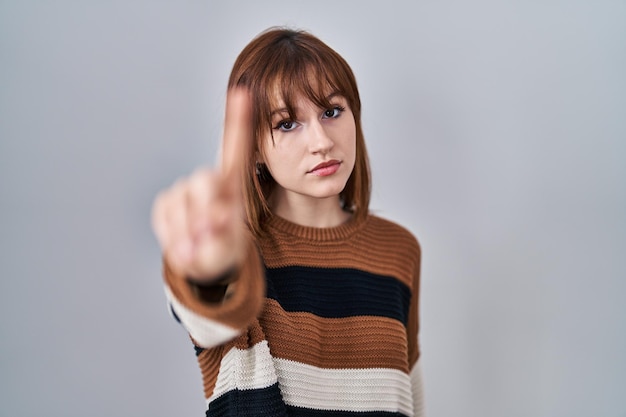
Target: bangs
[
  {"x": 302, "y": 72},
  {"x": 308, "y": 83}
]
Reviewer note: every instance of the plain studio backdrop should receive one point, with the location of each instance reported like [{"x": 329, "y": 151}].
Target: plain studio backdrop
[{"x": 497, "y": 134}]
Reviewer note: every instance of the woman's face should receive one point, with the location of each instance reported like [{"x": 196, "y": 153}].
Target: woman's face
[{"x": 314, "y": 155}]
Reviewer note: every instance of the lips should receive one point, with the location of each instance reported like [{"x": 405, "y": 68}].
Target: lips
[{"x": 326, "y": 168}]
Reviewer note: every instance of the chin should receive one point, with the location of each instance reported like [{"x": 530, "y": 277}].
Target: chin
[{"x": 328, "y": 192}]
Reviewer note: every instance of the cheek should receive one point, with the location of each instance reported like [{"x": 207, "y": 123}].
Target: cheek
[
  {"x": 353, "y": 147},
  {"x": 268, "y": 151},
  {"x": 277, "y": 159},
  {"x": 352, "y": 142}
]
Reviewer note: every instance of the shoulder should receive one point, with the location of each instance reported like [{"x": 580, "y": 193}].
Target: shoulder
[
  {"x": 387, "y": 248},
  {"x": 390, "y": 239},
  {"x": 392, "y": 230}
]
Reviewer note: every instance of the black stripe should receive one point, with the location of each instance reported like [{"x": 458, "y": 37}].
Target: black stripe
[
  {"x": 268, "y": 402},
  {"x": 256, "y": 402},
  {"x": 338, "y": 292},
  {"x": 306, "y": 412},
  {"x": 198, "y": 349},
  {"x": 174, "y": 313}
]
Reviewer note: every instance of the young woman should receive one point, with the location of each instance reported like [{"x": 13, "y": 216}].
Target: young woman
[{"x": 299, "y": 302}]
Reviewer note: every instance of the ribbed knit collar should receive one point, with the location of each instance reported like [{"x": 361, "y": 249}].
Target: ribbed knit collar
[{"x": 343, "y": 231}]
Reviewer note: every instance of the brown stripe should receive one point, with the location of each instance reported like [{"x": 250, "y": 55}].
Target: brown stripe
[
  {"x": 209, "y": 361},
  {"x": 353, "y": 342},
  {"x": 378, "y": 249},
  {"x": 250, "y": 338}
]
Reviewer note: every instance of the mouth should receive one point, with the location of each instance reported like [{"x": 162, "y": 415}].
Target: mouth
[{"x": 325, "y": 168}]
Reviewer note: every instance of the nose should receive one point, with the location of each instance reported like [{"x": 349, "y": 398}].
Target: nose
[{"x": 320, "y": 141}]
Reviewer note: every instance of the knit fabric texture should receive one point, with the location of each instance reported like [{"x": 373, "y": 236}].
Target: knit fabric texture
[{"x": 321, "y": 322}]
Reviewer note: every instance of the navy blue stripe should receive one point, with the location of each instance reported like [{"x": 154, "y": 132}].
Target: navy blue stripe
[
  {"x": 338, "y": 292},
  {"x": 305, "y": 412},
  {"x": 267, "y": 402},
  {"x": 256, "y": 402},
  {"x": 198, "y": 349},
  {"x": 174, "y": 313}
]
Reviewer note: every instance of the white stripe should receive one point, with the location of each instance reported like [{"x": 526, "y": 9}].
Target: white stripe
[
  {"x": 378, "y": 389},
  {"x": 247, "y": 369},
  {"x": 206, "y": 332},
  {"x": 307, "y": 386},
  {"x": 418, "y": 389}
]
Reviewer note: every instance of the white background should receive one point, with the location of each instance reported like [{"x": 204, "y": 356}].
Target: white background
[{"x": 496, "y": 132}]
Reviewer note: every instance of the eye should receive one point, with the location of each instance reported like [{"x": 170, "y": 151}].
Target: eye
[
  {"x": 285, "y": 125},
  {"x": 333, "y": 113}
]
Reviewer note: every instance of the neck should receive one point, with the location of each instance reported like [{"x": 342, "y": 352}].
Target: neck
[{"x": 308, "y": 211}]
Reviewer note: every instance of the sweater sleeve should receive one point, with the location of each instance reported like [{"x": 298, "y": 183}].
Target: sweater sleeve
[
  {"x": 212, "y": 324},
  {"x": 413, "y": 339},
  {"x": 417, "y": 388},
  {"x": 414, "y": 319}
]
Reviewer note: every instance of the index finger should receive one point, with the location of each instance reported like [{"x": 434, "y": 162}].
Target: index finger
[{"x": 236, "y": 141}]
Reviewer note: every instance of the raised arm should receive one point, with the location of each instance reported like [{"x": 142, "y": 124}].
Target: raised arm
[{"x": 213, "y": 276}]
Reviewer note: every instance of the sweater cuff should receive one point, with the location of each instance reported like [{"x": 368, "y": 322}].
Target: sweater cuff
[
  {"x": 212, "y": 323},
  {"x": 217, "y": 290}
]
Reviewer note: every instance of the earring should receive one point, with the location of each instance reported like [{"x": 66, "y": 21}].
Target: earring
[{"x": 258, "y": 168}]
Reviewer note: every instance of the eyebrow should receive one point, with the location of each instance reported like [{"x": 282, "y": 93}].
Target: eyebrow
[
  {"x": 286, "y": 110},
  {"x": 279, "y": 111}
]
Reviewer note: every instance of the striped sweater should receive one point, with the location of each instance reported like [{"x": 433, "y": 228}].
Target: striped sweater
[{"x": 321, "y": 322}]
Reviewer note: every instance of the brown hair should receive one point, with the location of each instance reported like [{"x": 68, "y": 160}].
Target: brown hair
[{"x": 294, "y": 63}]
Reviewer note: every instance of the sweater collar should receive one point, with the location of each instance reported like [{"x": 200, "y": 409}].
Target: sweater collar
[{"x": 343, "y": 231}]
